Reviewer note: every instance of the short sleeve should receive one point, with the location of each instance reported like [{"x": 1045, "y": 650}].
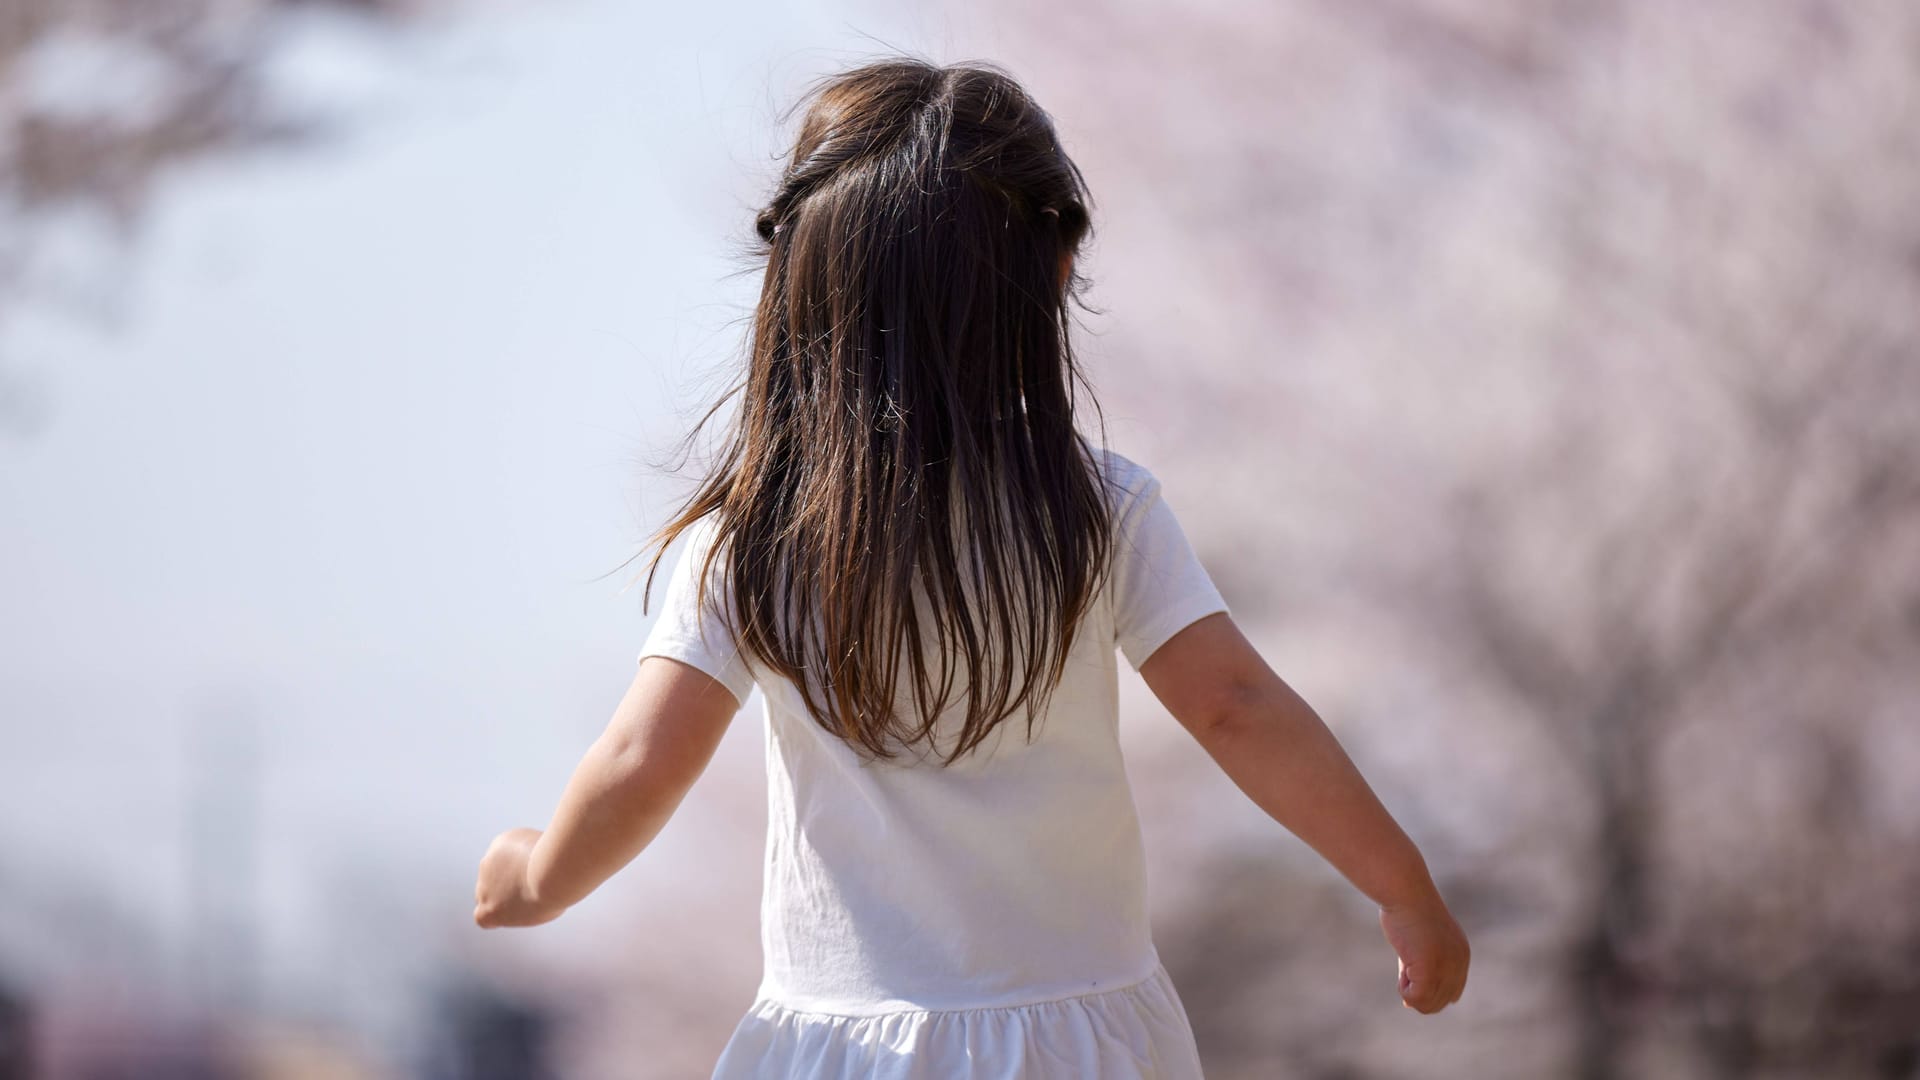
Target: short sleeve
[
  {"x": 693, "y": 629},
  {"x": 1159, "y": 584}
]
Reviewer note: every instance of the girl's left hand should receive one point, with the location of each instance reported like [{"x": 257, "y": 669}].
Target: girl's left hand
[{"x": 501, "y": 898}]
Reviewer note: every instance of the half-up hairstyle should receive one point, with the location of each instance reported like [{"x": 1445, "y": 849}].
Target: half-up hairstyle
[{"x": 904, "y": 483}]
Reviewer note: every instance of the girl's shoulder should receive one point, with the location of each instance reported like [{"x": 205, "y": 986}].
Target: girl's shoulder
[{"x": 1128, "y": 482}]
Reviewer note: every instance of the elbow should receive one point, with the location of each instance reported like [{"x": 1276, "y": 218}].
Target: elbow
[{"x": 1237, "y": 705}]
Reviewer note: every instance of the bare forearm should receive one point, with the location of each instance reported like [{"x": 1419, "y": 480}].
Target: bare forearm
[
  {"x": 612, "y": 809},
  {"x": 1277, "y": 750}
]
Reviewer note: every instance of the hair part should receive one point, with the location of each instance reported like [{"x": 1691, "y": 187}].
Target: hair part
[{"x": 904, "y": 483}]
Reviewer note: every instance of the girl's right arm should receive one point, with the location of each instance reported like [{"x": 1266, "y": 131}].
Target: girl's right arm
[{"x": 1273, "y": 745}]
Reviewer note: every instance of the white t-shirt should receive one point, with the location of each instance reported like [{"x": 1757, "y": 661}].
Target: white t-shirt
[{"x": 1003, "y": 888}]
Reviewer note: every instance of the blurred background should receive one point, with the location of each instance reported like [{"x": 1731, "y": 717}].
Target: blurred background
[{"x": 1541, "y": 381}]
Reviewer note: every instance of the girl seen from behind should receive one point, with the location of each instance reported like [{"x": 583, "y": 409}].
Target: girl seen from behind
[{"x": 908, "y": 545}]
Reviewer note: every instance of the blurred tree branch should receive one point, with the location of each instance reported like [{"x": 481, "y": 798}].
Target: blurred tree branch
[{"x": 97, "y": 99}]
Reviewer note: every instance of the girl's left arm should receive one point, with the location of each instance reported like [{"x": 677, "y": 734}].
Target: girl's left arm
[{"x": 632, "y": 779}]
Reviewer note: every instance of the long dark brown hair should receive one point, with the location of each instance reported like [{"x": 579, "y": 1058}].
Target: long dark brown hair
[{"x": 906, "y": 438}]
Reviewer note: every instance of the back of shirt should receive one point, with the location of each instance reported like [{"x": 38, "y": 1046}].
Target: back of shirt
[{"x": 1013, "y": 875}]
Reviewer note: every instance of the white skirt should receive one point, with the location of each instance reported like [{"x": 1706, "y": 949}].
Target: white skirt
[{"x": 1137, "y": 1032}]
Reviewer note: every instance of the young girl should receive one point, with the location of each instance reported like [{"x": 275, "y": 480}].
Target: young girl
[{"x": 926, "y": 569}]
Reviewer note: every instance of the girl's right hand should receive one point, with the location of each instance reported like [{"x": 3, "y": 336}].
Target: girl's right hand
[{"x": 1433, "y": 953}]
